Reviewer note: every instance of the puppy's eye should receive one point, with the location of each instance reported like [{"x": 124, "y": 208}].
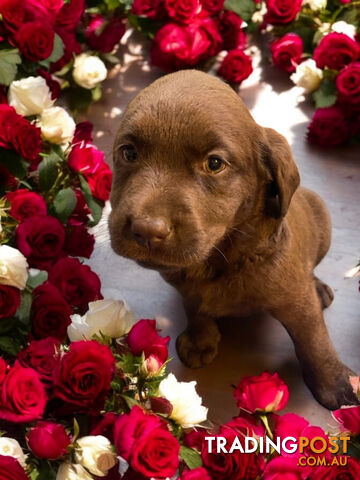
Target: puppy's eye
[
  {"x": 128, "y": 153},
  {"x": 214, "y": 164}
]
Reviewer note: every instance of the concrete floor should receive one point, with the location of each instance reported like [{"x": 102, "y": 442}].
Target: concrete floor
[{"x": 252, "y": 345}]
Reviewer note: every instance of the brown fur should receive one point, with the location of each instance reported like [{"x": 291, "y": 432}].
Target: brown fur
[{"x": 244, "y": 239}]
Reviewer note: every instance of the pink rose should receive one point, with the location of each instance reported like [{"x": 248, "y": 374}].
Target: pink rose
[
  {"x": 287, "y": 51},
  {"x": 328, "y": 127},
  {"x": 348, "y": 83},
  {"x": 336, "y": 50},
  {"x": 48, "y": 440},
  {"x": 285, "y": 468},
  {"x": 102, "y": 35},
  {"x": 25, "y": 204},
  {"x": 236, "y": 66},
  {"x": 262, "y": 393},
  {"x": 183, "y": 11},
  {"x": 282, "y": 11},
  {"x": 143, "y": 337},
  {"x": 349, "y": 419}
]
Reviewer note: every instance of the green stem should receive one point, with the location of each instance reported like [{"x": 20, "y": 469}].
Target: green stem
[{"x": 265, "y": 421}]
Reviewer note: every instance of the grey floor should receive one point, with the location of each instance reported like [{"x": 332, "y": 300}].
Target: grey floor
[{"x": 252, "y": 345}]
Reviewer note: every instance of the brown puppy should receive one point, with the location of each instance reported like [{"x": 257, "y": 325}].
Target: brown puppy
[{"x": 209, "y": 198}]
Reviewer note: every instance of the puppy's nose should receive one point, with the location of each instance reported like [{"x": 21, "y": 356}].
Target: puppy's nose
[{"x": 150, "y": 232}]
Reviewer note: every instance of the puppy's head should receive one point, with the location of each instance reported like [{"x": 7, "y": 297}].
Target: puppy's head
[{"x": 190, "y": 165}]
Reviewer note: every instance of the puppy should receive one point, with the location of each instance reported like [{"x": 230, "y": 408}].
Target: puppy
[{"x": 210, "y": 199}]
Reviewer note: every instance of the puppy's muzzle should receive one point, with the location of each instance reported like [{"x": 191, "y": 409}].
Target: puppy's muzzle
[{"x": 150, "y": 232}]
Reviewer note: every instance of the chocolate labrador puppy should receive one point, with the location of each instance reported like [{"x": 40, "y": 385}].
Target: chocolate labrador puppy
[{"x": 210, "y": 199}]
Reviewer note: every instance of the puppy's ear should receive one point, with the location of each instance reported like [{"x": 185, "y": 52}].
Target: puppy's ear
[{"x": 284, "y": 178}]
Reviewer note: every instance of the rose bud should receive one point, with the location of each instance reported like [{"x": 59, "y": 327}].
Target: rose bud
[
  {"x": 48, "y": 440},
  {"x": 262, "y": 393},
  {"x": 161, "y": 405}
]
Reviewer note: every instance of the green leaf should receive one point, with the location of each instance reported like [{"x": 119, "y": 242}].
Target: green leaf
[
  {"x": 45, "y": 472},
  {"x": 130, "y": 402},
  {"x": 10, "y": 345},
  {"x": 6, "y": 324},
  {"x": 13, "y": 162},
  {"x": 36, "y": 278},
  {"x": 57, "y": 53},
  {"x": 95, "y": 207},
  {"x": 23, "y": 312},
  {"x": 76, "y": 430},
  {"x": 80, "y": 98},
  {"x": 9, "y": 60},
  {"x": 191, "y": 457},
  {"x": 129, "y": 363},
  {"x": 326, "y": 94},
  {"x": 244, "y": 8},
  {"x": 96, "y": 93},
  {"x": 64, "y": 204},
  {"x": 48, "y": 172}
]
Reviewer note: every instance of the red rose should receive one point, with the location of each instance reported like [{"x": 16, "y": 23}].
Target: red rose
[
  {"x": 86, "y": 159},
  {"x": 349, "y": 419},
  {"x": 81, "y": 211},
  {"x": 78, "y": 284},
  {"x": 328, "y": 127},
  {"x": 50, "y": 313},
  {"x": 195, "y": 439},
  {"x": 13, "y": 14},
  {"x": 8, "y": 119},
  {"x": 348, "y": 83},
  {"x": 70, "y": 15},
  {"x": 41, "y": 355},
  {"x": 338, "y": 472},
  {"x": 26, "y": 139},
  {"x": 154, "y": 9},
  {"x": 100, "y": 182},
  {"x": 246, "y": 426},
  {"x": 236, "y": 66},
  {"x": 41, "y": 240},
  {"x": 10, "y": 469},
  {"x": 177, "y": 46},
  {"x": 83, "y": 133},
  {"x": 282, "y": 11},
  {"x": 71, "y": 47},
  {"x": 285, "y": 468},
  {"x": 196, "y": 474},
  {"x": 335, "y": 51},
  {"x": 3, "y": 370},
  {"x": 35, "y": 40},
  {"x": 105, "y": 426},
  {"x": 22, "y": 397},
  {"x": 213, "y": 7},
  {"x": 82, "y": 378},
  {"x": 211, "y": 28},
  {"x": 143, "y": 337},
  {"x": 48, "y": 440},
  {"x": 231, "y": 31},
  {"x": 129, "y": 427},
  {"x": 287, "y": 51},
  {"x": 102, "y": 35},
  {"x": 79, "y": 242},
  {"x": 10, "y": 299},
  {"x": 25, "y": 204},
  {"x": 183, "y": 11},
  {"x": 7, "y": 180},
  {"x": 262, "y": 393},
  {"x": 51, "y": 82}
]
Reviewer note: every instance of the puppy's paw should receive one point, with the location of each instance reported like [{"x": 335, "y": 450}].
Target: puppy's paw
[
  {"x": 324, "y": 292},
  {"x": 197, "y": 350}
]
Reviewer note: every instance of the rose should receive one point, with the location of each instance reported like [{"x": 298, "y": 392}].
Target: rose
[
  {"x": 231, "y": 30},
  {"x": 35, "y": 40},
  {"x": 129, "y": 427},
  {"x": 52, "y": 82},
  {"x": 328, "y": 127},
  {"x": 285, "y": 468},
  {"x": 79, "y": 242},
  {"x": 143, "y": 337},
  {"x": 236, "y": 66},
  {"x": 48, "y": 440},
  {"x": 282, "y": 11},
  {"x": 182, "y": 11},
  {"x": 102, "y": 35},
  {"x": 10, "y": 447},
  {"x": 22, "y": 396},
  {"x": 196, "y": 474},
  {"x": 50, "y": 312},
  {"x": 187, "y": 404},
  {"x": 41, "y": 240},
  {"x": 78, "y": 284},
  {"x": 83, "y": 133},
  {"x": 85, "y": 159},
  {"x": 26, "y": 139},
  {"x": 336, "y": 50},
  {"x": 100, "y": 182},
  {"x": 338, "y": 472},
  {"x": 10, "y": 469},
  {"x": 213, "y": 6},
  {"x": 343, "y": 27},
  {"x": 70, "y": 15},
  {"x": 57, "y": 126},
  {"x": 316, "y": 4},
  {"x": 69, "y": 471},
  {"x": 81, "y": 211},
  {"x": 3, "y": 370},
  {"x": 25, "y": 204},
  {"x": 13, "y": 267},
  {"x": 349, "y": 419},
  {"x": 8, "y": 118},
  {"x": 307, "y": 75},
  {"x": 82, "y": 377},
  {"x": 154, "y": 9},
  {"x": 71, "y": 47},
  {"x": 41, "y": 355},
  {"x": 108, "y": 317},
  {"x": 95, "y": 453},
  {"x": 245, "y": 426},
  {"x": 211, "y": 28},
  {"x": 348, "y": 83},
  {"x": 88, "y": 71},
  {"x": 13, "y": 15},
  {"x": 30, "y": 96},
  {"x": 262, "y": 393},
  {"x": 8, "y": 180},
  {"x": 10, "y": 300},
  {"x": 287, "y": 51}
]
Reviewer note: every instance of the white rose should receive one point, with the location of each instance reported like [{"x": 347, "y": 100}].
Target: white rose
[
  {"x": 13, "y": 267},
  {"x": 343, "y": 27},
  {"x": 88, "y": 70},
  {"x": 11, "y": 448},
  {"x": 95, "y": 453},
  {"x": 307, "y": 75},
  {"x": 70, "y": 471},
  {"x": 187, "y": 408},
  {"x": 57, "y": 125},
  {"x": 316, "y": 4},
  {"x": 110, "y": 317},
  {"x": 30, "y": 96}
]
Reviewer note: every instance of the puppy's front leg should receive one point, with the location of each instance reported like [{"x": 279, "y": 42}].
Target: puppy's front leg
[
  {"x": 197, "y": 346},
  {"x": 326, "y": 376}
]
